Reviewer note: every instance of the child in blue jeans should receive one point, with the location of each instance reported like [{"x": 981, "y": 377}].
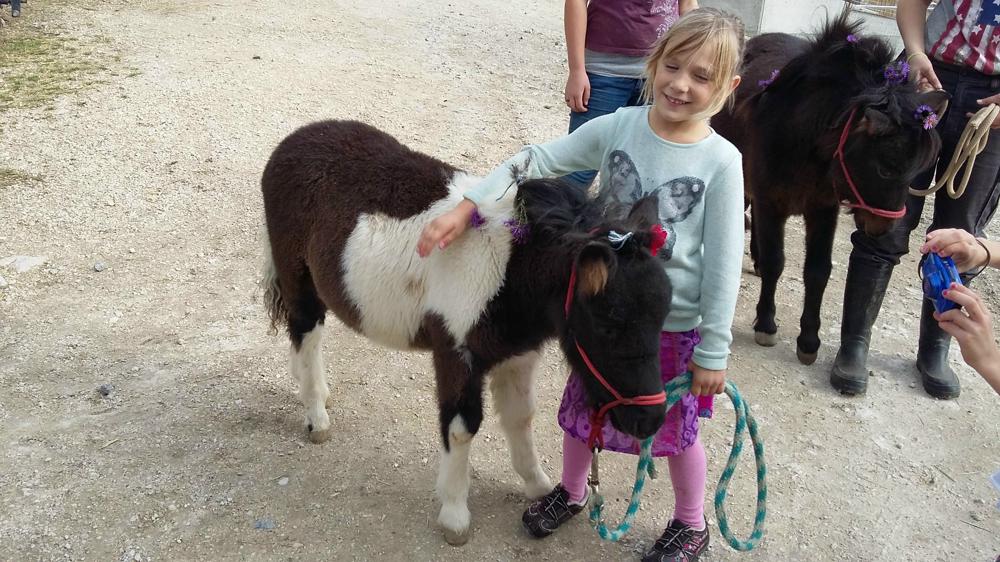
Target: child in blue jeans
[{"x": 607, "y": 42}]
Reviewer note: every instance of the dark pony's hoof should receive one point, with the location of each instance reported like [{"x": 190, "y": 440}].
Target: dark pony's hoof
[
  {"x": 766, "y": 340},
  {"x": 806, "y": 358}
]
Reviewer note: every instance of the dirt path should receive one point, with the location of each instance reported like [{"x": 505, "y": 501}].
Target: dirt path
[{"x": 198, "y": 452}]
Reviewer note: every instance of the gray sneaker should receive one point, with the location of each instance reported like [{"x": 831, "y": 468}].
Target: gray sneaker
[{"x": 548, "y": 512}]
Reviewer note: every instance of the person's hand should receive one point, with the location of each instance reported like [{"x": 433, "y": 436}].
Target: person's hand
[
  {"x": 972, "y": 327},
  {"x": 957, "y": 244},
  {"x": 706, "y": 382},
  {"x": 443, "y": 230},
  {"x": 922, "y": 73},
  {"x": 995, "y": 98},
  {"x": 577, "y": 91}
]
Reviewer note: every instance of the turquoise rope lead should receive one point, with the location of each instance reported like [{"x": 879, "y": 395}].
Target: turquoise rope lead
[{"x": 676, "y": 389}]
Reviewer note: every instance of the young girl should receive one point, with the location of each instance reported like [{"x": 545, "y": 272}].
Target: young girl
[{"x": 668, "y": 148}]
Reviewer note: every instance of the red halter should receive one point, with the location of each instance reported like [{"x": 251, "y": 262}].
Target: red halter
[
  {"x": 597, "y": 419},
  {"x": 839, "y": 154}
]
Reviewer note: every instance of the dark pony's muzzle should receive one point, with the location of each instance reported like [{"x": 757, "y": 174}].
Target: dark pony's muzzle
[
  {"x": 872, "y": 225},
  {"x": 639, "y": 421}
]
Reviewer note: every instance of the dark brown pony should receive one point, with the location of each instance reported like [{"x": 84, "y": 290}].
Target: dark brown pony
[
  {"x": 345, "y": 204},
  {"x": 800, "y": 102}
]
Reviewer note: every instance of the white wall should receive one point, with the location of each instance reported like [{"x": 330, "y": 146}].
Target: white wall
[{"x": 806, "y": 16}]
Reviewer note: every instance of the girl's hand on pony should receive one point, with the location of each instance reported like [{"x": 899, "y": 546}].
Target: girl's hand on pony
[
  {"x": 957, "y": 244},
  {"x": 922, "y": 72},
  {"x": 971, "y": 326},
  {"x": 706, "y": 382},
  {"x": 446, "y": 228}
]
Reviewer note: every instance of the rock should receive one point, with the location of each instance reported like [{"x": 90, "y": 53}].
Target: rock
[
  {"x": 20, "y": 264},
  {"x": 283, "y": 481},
  {"x": 105, "y": 389},
  {"x": 100, "y": 266},
  {"x": 3, "y": 283},
  {"x": 264, "y": 524}
]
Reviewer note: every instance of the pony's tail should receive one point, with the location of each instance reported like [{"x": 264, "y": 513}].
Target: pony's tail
[{"x": 273, "y": 301}]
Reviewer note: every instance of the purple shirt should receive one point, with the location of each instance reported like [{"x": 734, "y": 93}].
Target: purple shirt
[{"x": 628, "y": 27}]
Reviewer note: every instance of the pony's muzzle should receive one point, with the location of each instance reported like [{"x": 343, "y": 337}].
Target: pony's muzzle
[
  {"x": 638, "y": 421},
  {"x": 872, "y": 225}
]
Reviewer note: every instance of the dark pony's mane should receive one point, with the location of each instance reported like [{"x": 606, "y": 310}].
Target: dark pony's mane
[
  {"x": 839, "y": 64},
  {"x": 562, "y": 214}
]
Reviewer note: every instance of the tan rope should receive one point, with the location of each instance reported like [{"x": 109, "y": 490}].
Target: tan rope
[{"x": 970, "y": 144}]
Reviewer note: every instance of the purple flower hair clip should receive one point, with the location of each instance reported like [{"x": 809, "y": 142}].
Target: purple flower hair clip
[
  {"x": 852, "y": 38},
  {"x": 767, "y": 82},
  {"x": 476, "y": 220},
  {"x": 926, "y": 115},
  {"x": 897, "y": 72},
  {"x": 519, "y": 231}
]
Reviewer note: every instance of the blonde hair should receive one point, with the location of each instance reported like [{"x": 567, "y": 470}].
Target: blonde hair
[{"x": 705, "y": 28}]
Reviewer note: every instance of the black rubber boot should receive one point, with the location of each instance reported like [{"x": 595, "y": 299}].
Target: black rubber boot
[
  {"x": 867, "y": 280},
  {"x": 937, "y": 376}
]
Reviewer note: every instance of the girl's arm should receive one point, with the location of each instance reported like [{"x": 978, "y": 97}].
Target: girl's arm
[
  {"x": 911, "y": 19},
  {"x": 685, "y": 6},
  {"x": 577, "y": 91},
  {"x": 583, "y": 149},
  {"x": 722, "y": 263}
]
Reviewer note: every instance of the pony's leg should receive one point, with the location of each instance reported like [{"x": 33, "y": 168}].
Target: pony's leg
[
  {"x": 460, "y": 401},
  {"x": 512, "y": 384},
  {"x": 754, "y": 253},
  {"x": 769, "y": 235},
  {"x": 305, "y": 329},
  {"x": 821, "y": 225}
]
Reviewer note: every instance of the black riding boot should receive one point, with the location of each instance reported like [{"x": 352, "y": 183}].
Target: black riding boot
[
  {"x": 932, "y": 357},
  {"x": 867, "y": 279}
]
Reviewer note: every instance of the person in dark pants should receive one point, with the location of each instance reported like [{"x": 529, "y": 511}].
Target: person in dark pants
[
  {"x": 15, "y": 7},
  {"x": 947, "y": 51}
]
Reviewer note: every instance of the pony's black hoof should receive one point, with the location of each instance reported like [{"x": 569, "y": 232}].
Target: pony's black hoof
[
  {"x": 766, "y": 340},
  {"x": 806, "y": 358}
]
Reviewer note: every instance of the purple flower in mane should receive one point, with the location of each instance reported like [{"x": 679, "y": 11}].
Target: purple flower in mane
[
  {"x": 519, "y": 231},
  {"x": 767, "y": 82},
  {"x": 476, "y": 220},
  {"x": 852, "y": 38},
  {"x": 927, "y": 116},
  {"x": 897, "y": 72}
]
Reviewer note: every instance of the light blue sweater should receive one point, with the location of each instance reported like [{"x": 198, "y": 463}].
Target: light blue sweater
[{"x": 700, "y": 188}]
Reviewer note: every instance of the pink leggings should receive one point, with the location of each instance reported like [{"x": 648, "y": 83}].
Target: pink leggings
[{"x": 687, "y": 476}]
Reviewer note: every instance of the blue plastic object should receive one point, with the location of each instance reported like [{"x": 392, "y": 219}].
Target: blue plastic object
[{"x": 939, "y": 273}]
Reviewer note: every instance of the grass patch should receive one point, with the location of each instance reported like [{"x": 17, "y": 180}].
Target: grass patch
[
  {"x": 9, "y": 177},
  {"x": 38, "y": 66}
]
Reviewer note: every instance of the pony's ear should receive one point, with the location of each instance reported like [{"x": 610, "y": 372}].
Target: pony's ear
[
  {"x": 645, "y": 213},
  {"x": 937, "y": 99},
  {"x": 876, "y": 123},
  {"x": 594, "y": 266}
]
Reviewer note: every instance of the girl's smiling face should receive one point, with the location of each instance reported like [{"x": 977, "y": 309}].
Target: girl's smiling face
[{"x": 682, "y": 88}]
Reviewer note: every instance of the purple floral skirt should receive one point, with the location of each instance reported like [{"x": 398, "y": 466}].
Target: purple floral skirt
[{"x": 679, "y": 431}]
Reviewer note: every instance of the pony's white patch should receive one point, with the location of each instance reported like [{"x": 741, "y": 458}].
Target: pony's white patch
[
  {"x": 394, "y": 289},
  {"x": 306, "y": 365},
  {"x": 453, "y": 479},
  {"x": 512, "y": 384}
]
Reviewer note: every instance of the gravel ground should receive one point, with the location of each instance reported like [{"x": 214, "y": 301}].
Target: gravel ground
[{"x": 148, "y": 415}]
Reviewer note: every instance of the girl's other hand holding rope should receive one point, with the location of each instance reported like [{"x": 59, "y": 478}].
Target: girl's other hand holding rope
[
  {"x": 995, "y": 98},
  {"x": 705, "y": 382}
]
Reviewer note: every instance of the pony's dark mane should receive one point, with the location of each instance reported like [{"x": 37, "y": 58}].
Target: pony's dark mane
[
  {"x": 839, "y": 74},
  {"x": 560, "y": 212}
]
